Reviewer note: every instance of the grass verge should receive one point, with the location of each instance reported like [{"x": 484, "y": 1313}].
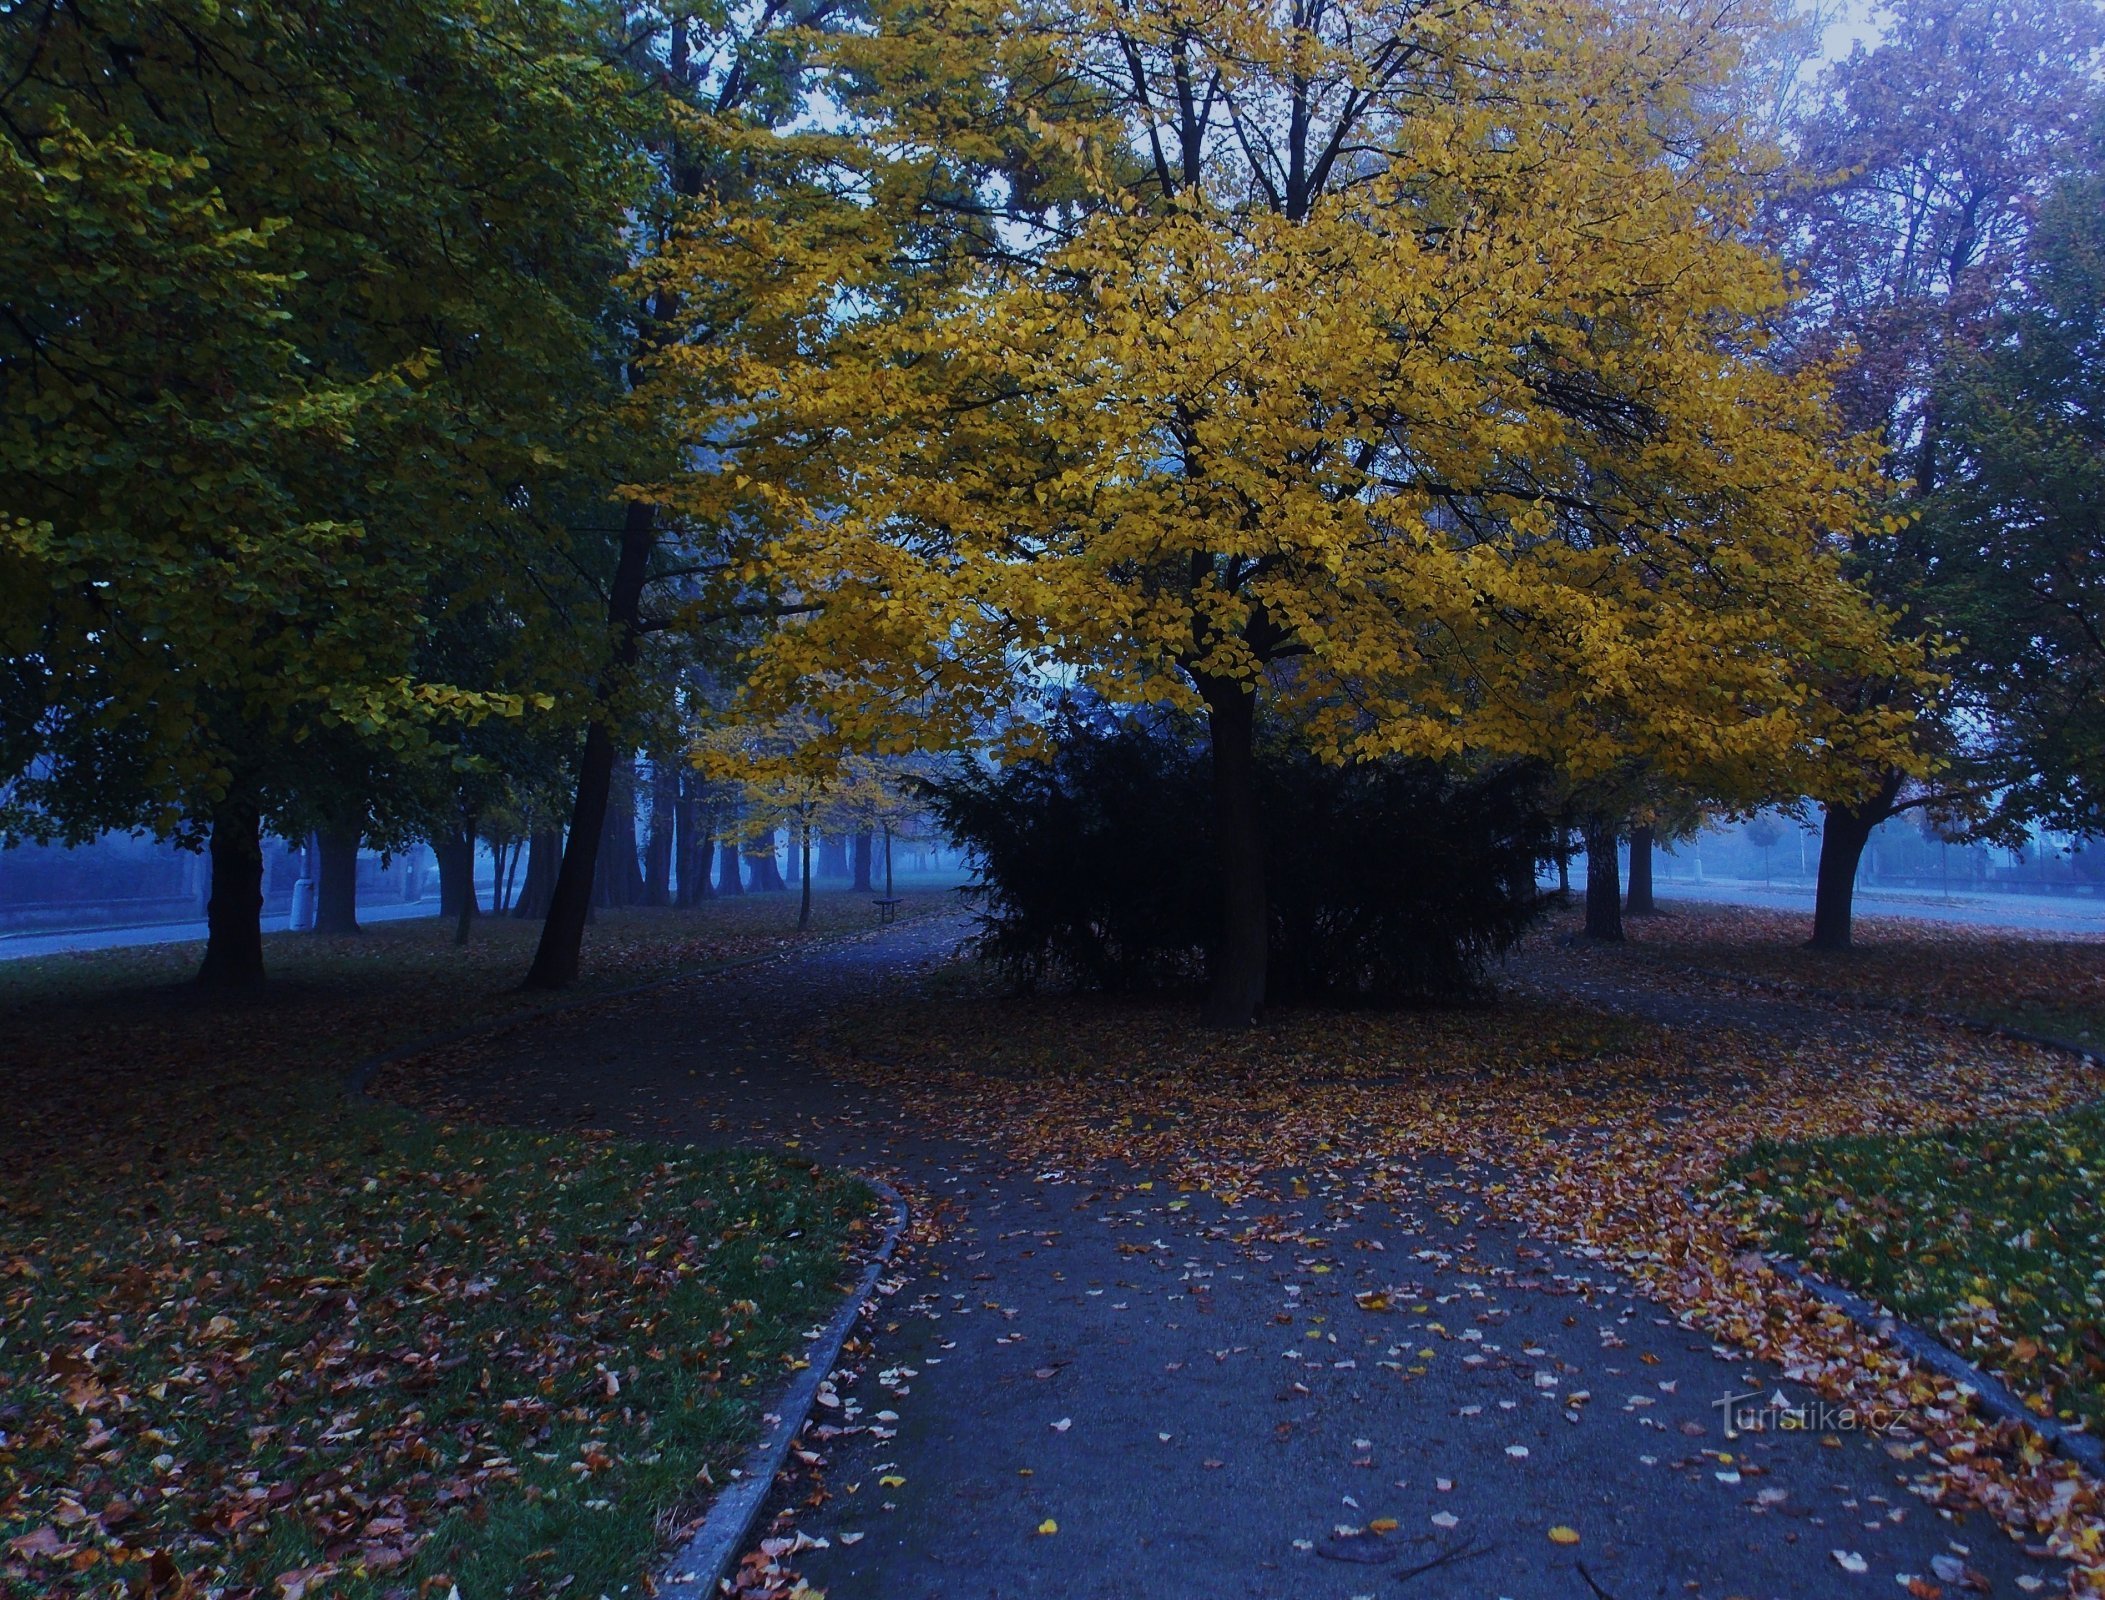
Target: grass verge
[
  {"x": 259, "y": 1343},
  {"x": 2054, "y": 987},
  {"x": 1992, "y": 1235}
]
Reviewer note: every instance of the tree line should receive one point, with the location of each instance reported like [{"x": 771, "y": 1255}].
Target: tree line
[{"x": 410, "y": 413}]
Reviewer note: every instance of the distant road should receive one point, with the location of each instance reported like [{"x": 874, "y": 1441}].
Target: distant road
[
  {"x": 2049, "y": 914},
  {"x": 14, "y": 946}
]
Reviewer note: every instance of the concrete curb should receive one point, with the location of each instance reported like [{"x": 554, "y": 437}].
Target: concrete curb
[
  {"x": 701, "y": 1564},
  {"x": 1994, "y": 1397}
]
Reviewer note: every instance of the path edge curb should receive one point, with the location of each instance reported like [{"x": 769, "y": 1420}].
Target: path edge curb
[
  {"x": 1988, "y": 1392},
  {"x": 697, "y": 1568}
]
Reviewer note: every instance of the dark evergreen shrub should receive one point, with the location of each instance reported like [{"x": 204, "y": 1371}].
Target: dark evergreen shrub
[{"x": 1388, "y": 882}]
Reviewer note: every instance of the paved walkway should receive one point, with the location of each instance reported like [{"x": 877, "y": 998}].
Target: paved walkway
[{"x": 1200, "y": 1417}]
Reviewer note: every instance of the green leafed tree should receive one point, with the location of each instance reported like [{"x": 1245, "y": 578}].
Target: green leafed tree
[{"x": 303, "y": 307}]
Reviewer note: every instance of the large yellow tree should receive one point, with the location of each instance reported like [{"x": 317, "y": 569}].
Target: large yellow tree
[{"x": 1395, "y": 361}]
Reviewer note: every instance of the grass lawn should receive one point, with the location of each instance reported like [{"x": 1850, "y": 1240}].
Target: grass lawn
[
  {"x": 259, "y": 1341},
  {"x": 2041, "y": 985},
  {"x": 1991, "y": 1234}
]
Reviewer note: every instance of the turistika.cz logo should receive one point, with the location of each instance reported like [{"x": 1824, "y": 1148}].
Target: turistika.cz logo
[{"x": 1754, "y": 1412}]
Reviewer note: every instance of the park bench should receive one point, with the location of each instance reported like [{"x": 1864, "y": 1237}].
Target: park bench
[{"x": 887, "y": 909}]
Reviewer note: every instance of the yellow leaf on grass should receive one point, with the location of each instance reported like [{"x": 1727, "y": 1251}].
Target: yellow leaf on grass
[
  {"x": 1048, "y": 1526},
  {"x": 1563, "y": 1535}
]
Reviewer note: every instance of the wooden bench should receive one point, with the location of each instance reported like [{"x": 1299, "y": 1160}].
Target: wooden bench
[{"x": 886, "y": 909}]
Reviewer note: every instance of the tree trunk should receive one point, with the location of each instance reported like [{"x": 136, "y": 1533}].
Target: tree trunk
[
  {"x": 456, "y": 853},
  {"x": 862, "y": 862},
  {"x": 727, "y": 880},
  {"x": 657, "y": 849},
  {"x": 563, "y": 935},
  {"x": 1844, "y": 832},
  {"x": 1604, "y": 899},
  {"x": 833, "y": 856},
  {"x": 1236, "y": 984},
  {"x": 766, "y": 875},
  {"x": 234, "y": 914},
  {"x": 1564, "y": 863},
  {"x": 690, "y": 846},
  {"x": 544, "y": 855},
  {"x": 336, "y": 890},
  {"x": 888, "y": 861},
  {"x": 804, "y": 879},
  {"x": 1638, "y": 902},
  {"x": 618, "y": 879}
]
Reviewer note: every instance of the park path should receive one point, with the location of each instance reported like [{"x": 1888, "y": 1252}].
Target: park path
[{"x": 1197, "y": 1416}]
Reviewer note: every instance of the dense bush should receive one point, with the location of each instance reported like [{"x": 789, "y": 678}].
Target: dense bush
[{"x": 1391, "y": 882}]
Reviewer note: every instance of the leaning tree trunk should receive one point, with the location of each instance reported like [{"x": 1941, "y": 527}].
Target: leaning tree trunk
[
  {"x": 1844, "y": 832},
  {"x": 336, "y": 891},
  {"x": 727, "y": 879},
  {"x": 1235, "y": 991},
  {"x": 863, "y": 853},
  {"x": 1638, "y": 902},
  {"x": 570, "y": 904},
  {"x": 1604, "y": 900},
  {"x": 234, "y": 914}
]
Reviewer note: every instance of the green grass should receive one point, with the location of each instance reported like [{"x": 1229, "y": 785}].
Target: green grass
[
  {"x": 249, "y": 1330},
  {"x": 1992, "y": 1235}
]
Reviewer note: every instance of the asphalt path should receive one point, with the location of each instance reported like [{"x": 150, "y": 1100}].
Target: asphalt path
[{"x": 1080, "y": 1390}]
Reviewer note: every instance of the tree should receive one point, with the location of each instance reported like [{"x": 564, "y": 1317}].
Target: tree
[
  {"x": 714, "y": 76},
  {"x": 1288, "y": 375},
  {"x": 1916, "y": 170},
  {"x": 2014, "y": 531},
  {"x": 250, "y": 401}
]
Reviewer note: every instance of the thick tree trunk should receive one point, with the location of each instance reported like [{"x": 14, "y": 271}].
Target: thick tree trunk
[
  {"x": 570, "y": 904},
  {"x": 1844, "y": 832},
  {"x": 544, "y": 857},
  {"x": 1564, "y": 863},
  {"x": 1604, "y": 899},
  {"x": 727, "y": 879},
  {"x": 1638, "y": 902},
  {"x": 456, "y": 856},
  {"x": 657, "y": 849},
  {"x": 234, "y": 914},
  {"x": 862, "y": 861},
  {"x": 766, "y": 875},
  {"x": 1235, "y": 992},
  {"x": 804, "y": 879},
  {"x": 888, "y": 861},
  {"x": 336, "y": 890},
  {"x": 690, "y": 847},
  {"x": 833, "y": 856},
  {"x": 618, "y": 880}
]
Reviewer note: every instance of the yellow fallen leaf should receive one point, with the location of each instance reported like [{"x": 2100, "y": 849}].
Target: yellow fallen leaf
[
  {"x": 891, "y": 1480},
  {"x": 1563, "y": 1535},
  {"x": 1383, "y": 1525},
  {"x": 1048, "y": 1526}
]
